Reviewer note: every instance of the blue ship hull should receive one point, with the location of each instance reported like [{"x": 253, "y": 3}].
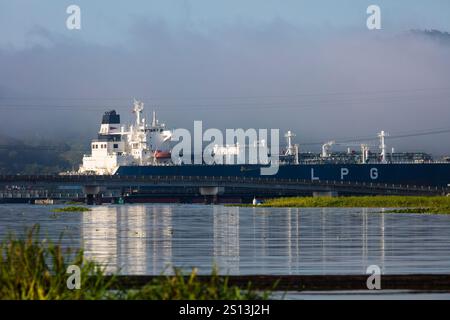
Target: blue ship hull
[{"x": 424, "y": 174}]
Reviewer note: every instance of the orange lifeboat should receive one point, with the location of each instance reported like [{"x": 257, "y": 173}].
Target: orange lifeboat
[{"x": 162, "y": 154}]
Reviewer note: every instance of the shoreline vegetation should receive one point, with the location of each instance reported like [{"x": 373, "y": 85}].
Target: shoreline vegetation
[
  {"x": 398, "y": 204},
  {"x": 32, "y": 269},
  {"x": 71, "y": 209}
]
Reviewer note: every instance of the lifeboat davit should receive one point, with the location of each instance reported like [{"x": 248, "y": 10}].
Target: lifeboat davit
[{"x": 162, "y": 154}]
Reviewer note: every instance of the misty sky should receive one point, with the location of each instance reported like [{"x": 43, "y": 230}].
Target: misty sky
[{"x": 309, "y": 66}]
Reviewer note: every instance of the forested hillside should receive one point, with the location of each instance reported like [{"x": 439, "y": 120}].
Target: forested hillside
[{"x": 38, "y": 157}]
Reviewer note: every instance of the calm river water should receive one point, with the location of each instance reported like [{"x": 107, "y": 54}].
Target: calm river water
[{"x": 146, "y": 239}]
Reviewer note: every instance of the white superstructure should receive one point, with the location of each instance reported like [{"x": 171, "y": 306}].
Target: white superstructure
[{"x": 117, "y": 145}]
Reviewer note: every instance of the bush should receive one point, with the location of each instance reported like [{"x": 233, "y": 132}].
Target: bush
[
  {"x": 177, "y": 287},
  {"x": 71, "y": 209},
  {"x": 36, "y": 270}
]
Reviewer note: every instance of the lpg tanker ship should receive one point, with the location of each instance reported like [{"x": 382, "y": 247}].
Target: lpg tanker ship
[{"x": 146, "y": 149}]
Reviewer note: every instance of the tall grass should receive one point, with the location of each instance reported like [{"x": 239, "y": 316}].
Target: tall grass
[
  {"x": 363, "y": 201},
  {"x": 32, "y": 269},
  {"x": 177, "y": 287}
]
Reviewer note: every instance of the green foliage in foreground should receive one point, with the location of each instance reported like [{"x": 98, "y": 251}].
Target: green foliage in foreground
[
  {"x": 71, "y": 209},
  {"x": 36, "y": 270},
  {"x": 177, "y": 287},
  {"x": 362, "y": 201}
]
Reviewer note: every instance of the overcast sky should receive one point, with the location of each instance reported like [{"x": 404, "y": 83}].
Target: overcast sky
[{"x": 309, "y": 66}]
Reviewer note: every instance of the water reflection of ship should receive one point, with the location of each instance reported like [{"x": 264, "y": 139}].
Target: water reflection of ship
[
  {"x": 293, "y": 239},
  {"x": 226, "y": 239},
  {"x": 132, "y": 244},
  {"x": 370, "y": 240},
  {"x": 138, "y": 239},
  {"x": 160, "y": 239},
  {"x": 132, "y": 239},
  {"x": 317, "y": 241},
  {"x": 99, "y": 237},
  {"x": 343, "y": 250}
]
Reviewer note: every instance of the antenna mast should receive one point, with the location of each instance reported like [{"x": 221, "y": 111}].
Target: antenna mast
[
  {"x": 138, "y": 107},
  {"x": 382, "y": 135}
]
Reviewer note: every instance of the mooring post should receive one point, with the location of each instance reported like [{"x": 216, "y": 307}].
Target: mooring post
[
  {"x": 89, "y": 199},
  {"x": 99, "y": 198},
  {"x": 91, "y": 193},
  {"x": 211, "y": 193}
]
